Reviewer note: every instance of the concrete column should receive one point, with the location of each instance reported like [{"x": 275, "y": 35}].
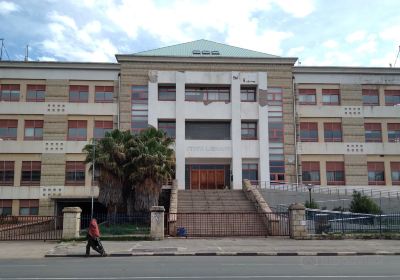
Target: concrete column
[
  {"x": 263, "y": 131},
  {"x": 297, "y": 221},
  {"x": 153, "y": 99},
  {"x": 157, "y": 222},
  {"x": 236, "y": 134},
  {"x": 71, "y": 222},
  {"x": 180, "y": 130}
]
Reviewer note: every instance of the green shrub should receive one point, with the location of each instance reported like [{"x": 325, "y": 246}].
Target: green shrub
[
  {"x": 312, "y": 205},
  {"x": 363, "y": 204}
]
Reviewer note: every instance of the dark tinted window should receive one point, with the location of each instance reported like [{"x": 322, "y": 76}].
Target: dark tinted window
[{"x": 208, "y": 130}]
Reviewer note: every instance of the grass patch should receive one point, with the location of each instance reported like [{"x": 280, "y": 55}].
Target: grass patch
[{"x": 119, "y": 230}]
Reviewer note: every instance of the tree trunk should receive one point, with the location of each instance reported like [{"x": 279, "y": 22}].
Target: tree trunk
[{"x": 146, "y": 196}]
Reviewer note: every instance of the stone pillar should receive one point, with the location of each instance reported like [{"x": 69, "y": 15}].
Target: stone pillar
[
  {"x": 157, "y": 222},
  {"x": 263, "y": 141},
  {"x": 180, "y": 129},
  {"x": 297, "y": 221},
  {"x": 71, "y": 222},
  {"x": 236, "y": 130}
]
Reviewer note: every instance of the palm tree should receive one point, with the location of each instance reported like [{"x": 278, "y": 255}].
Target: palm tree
[
  {"x": 110, "y": 161},
  {"x": 151, "y": 164}
]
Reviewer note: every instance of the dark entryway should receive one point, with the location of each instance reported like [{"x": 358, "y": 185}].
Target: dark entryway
[
  {"x": 84, "y": 204},
  {"x": 207, "y": 176}
]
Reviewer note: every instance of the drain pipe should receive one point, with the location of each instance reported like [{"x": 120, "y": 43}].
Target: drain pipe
[
  {"x": 296, "y": 160},
  {"x": 119, "y": 92}
]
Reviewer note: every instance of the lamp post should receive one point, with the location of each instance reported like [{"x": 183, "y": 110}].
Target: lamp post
[
  {"x": 93, "y": 176},
  {"x": 309, "y": 187}
]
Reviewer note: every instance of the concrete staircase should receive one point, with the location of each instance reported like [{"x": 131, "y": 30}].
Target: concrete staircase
[
  {"x": 213, "y": 201},
  {"x": 218, "y": 213}
]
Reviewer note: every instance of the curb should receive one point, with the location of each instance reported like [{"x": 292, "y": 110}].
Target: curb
[{"x": 239, "y": 254}]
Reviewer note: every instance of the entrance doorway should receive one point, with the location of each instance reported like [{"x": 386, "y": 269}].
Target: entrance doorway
[{"x": 208, "y": 177}]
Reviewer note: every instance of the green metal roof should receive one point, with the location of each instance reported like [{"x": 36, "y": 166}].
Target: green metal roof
[{"x": 204, "y": 48}]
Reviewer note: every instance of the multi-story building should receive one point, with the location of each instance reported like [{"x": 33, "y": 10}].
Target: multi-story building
[{"x": 234, "y": 114}]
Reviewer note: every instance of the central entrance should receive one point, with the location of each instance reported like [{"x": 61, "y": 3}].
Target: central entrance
[{"x": 208, "y": 176}]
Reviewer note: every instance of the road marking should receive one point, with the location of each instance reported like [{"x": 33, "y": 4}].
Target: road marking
[
  {"x": 18, "y": 265},
  {"x": 209, "y": 277}
]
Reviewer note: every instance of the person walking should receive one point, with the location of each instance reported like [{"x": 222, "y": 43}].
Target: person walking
[{"x": 93, "y": 237}]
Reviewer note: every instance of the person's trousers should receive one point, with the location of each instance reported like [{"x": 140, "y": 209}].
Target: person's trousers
[{"x": 96, "y": 245}]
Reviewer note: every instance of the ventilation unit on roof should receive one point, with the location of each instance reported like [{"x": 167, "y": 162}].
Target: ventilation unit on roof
[
  {"x": 215, "y": 52},
  {"x": 195, "y": 52},
  {"x": 205, "y": 52}
]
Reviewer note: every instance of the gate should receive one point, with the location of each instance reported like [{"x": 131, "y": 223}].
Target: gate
[
  {"x": 227, "y": 224},
  {"x": 30, "y": 227}
]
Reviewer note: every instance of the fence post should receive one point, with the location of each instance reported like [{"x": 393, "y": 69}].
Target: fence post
[
  {"x": 157, "y": 222},
  {"x": 71, "y": 222},
  {"x": 297, "y": 221}
]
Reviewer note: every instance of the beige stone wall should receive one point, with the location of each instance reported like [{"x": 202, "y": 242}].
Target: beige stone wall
[
  {"x": 351, "y": 95},
  {"x": 356, "y": 170},
  {"x": 57, "y": 90},
  {"x": 53, "y": 170},
  {"x": 353, "y": 130}
]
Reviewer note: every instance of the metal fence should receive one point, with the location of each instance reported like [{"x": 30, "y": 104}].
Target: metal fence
[
  {"x": 31, "y": 227},
  {"x": 227, "y": 224},
  {"x": 320, "y": 221},
  {"x": 118, "y": 224}
]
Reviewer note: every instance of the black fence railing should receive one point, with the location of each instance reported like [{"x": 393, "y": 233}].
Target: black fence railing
[
  {"x": 30, "y": 228},
  {"x": 322, "y": 221},
  {"x": 119, "y": 224},
  {"x": 227, "y": 224}
]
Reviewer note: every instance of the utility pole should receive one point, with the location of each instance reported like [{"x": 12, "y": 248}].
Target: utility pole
[
  {"x": 27, "y": 53},
  {"x": 93, "y": 177},
  {"x": 1, "y": 49}
]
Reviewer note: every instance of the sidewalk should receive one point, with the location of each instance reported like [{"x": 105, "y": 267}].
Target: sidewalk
[{"x": 234, "y": 247}]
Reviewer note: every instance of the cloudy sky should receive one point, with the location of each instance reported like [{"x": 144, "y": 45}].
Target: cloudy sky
[{"x": 319, "y": 32}]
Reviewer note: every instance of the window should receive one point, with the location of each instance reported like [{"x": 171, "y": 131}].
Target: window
[
  {"x": 307, "y": 96},
  {"x": 139, "y": 101},
  {"x": 30, "y": 174},
  {"x": 335, "y": 173},
  {"x": 28, "y": 207},
  {"x": 330, "y": 97},
  {"x": 208, "y": 130},
  {"x": 167, "y": 93},
  {"x": 9, "y": 92},
  {"x": 193, "y": 93},
  {"x": 5, "y": 207},
  {"x": 250, "y": 171},
  {"x": 333, "y": 132},
  {"x": 77, "y": 130},
  {"x": 101, "y": 128},
  {"x": 373, "y": 132},
  {"x": 395, "y": 170},
  {"x": 249, "y": 130},
  {"x": 370, "y": 97},
  {"x": 394, "y": 132},
  {"x": 310, "y": 172},
  {"x": 376, "y": 173},
  {"x": 35, "y": 93},
  {"x": 103, "y": 94},
  {"x": 79, "y": 94},
  {"x": 74, "y": 173},
  {"x": 168, "y": 127},
  {"x": 33, "y": 130},
  {"x": 308, "y": 132},
  {"x": 275, "y": 132},
  {"x": 6, "y": 173},
  {"x": 392, "y": 97},
  {"x": 8, "y": 129},
  {"x": 248, "y": 94},
  {"x": 277, "y": 171}
]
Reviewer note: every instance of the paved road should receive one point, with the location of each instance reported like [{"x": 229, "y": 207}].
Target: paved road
[{"x": 362, "y": 267}]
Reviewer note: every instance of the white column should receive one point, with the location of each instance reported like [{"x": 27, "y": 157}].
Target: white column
[
  {"x": 180, "y": 130},
  {"x": 236, "y": 134},
  {"x": 153, "y": 103},
  {"x": 263, "y": 133}
]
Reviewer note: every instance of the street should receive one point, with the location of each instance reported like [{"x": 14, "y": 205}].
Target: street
[{"x": 361, "y": 267}]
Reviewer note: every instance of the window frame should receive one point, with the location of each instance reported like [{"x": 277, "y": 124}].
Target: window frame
[
  {"x": 105, "y": 126},
  {"x": 370, "y": 92},
  {"x": 140, "y": 98},
  {"x": 7, "y": 166},
  {"x": 9, "y": 124},
  {"x": 167, "y": 124},
  {"x": 335, "y": 166},
  {"x": 77, "y": 124},
  {"x": 393, "y": 127},
  {"x": 168, "y": 89},
  {"x": 11, "y": 89},
  {"x": 255, "y": 129},
  {"x": 31, "y": 166},
  {"x": 376, "y": 166},
  {"x": 75, "y": 167},
  {"x": 80, "y": 89},
  {"x": 37, "y": 124},
  {"x": 103, "y": 90},
  {"x": 311, "y": 166},
  {"x": 307, "y": 92},
  {"x": 372, "y": 127},
  {"x": 305, "y": 126},
  {"x": 35, "y": 89},
  {"x": 31, "y": 204},
  {"x": 248, "y": 90},
  {"x": 330, "y": 127},
  {"x": 250, "y": 167},
  {"x": 331, "y": 92},
  {"x": 5, "y": 204},
  {"x": 205, "y": 91},
  {"x": 395, "y": 167},
  {"x": 391, "y": 92}
]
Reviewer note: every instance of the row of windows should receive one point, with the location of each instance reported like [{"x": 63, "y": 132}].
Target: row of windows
[
  {"x": 33, "y": 129},
  {"x": 333, "y": 132},
  {"x": 370, "y": 97},
  {"x": 31, "y": 173},
  {"x": 26, "y": 207},
  {"x": 335, "y": 173},
  {"x": 203, "y": 93},
  {"x": 37, "y": 93}
]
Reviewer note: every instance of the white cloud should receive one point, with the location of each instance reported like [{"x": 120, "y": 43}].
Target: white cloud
[
  {"x": 391, "y": 33},
  {"x": 297, "y": 8},
  {"x": 8, "y": 7},
  {"x": 384, "y": 61},
  {"x": 330, "y": 44},
  {"x": 356, "y": 36},
  {"x": 368, "y": 46},
  {"x": 71, "y": 42},
  {"x": 295, "y": 51}
]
